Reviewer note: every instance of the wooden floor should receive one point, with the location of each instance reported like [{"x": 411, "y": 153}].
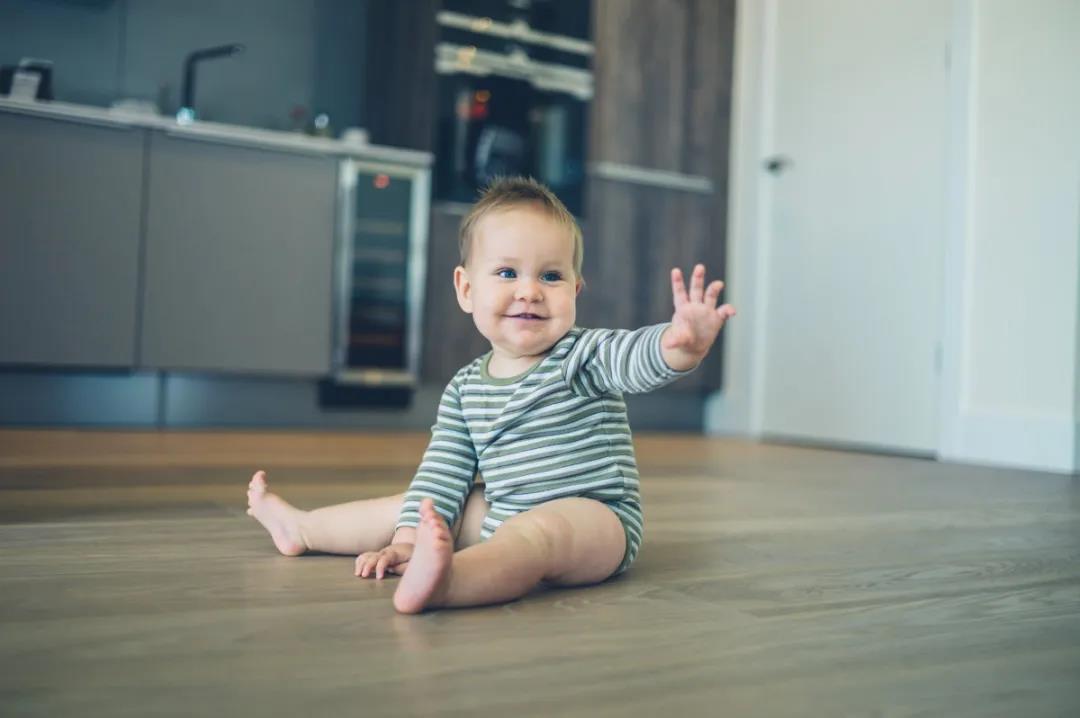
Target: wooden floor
[{"x": 773, "y": 581}]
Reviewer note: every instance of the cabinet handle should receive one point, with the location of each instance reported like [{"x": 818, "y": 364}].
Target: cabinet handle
[{"x": 650, "y": 177}]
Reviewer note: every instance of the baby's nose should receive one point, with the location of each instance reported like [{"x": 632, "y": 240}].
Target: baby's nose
[{"x": 529, "y": 289}]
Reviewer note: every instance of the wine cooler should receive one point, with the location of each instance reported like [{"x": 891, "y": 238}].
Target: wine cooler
[{"x": 382, "y": 250}]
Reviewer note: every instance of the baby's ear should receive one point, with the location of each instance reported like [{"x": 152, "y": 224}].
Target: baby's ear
[
  {"x": 463, "y": 289},
  {"x": 578, "y": 286}
]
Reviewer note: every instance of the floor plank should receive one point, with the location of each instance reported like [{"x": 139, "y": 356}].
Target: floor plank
[{"x": 774, "y": 581}]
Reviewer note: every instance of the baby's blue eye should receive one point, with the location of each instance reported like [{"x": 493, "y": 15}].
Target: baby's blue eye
[
  {"x": 506, "y": 273},
  {"x": 551, "y": 277}
]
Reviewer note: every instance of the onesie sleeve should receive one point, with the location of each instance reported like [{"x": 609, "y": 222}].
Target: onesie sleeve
[
  {"x": 605, "y": 361},
  {"x": 448, "y": 470}
]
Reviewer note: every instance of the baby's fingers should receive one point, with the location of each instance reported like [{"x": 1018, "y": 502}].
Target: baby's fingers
[
  {"x": 713, "y": 292},
  {"x": 363, "y": 564},
  {"x": 697, "y": 283},
  {"x": 678, "y": 288},
  {"x": 381, "y": 564}
]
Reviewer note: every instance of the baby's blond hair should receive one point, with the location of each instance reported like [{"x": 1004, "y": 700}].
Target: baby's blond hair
[{"x": 507, "y": 192}]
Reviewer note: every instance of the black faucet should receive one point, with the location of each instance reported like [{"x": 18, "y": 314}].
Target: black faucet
[{"x": 187, "y": 103}]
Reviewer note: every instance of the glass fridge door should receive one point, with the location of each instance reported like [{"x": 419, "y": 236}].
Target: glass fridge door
[{"x": 381, "y": 273}]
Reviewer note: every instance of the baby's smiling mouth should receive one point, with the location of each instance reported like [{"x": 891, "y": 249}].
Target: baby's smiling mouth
[{"x": 525, "y": 315}]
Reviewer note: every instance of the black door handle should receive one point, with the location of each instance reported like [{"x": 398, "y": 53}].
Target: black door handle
[{"x": 777, "y": 163}]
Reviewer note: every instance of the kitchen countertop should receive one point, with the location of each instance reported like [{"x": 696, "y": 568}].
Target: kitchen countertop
[{"x": 218, "y": 132}]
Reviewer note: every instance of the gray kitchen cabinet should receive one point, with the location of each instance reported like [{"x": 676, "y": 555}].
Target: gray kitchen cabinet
[
  {"x": 239, "y": 259},
  {"x": 70, "y": 198}
]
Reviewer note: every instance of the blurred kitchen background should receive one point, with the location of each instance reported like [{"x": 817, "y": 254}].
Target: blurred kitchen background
[{"x": 243, "y": 213}]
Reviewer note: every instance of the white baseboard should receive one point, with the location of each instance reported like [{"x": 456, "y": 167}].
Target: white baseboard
[{"x": 1038, "y": 443}]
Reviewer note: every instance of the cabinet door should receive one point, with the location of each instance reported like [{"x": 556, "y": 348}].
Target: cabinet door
[
  {"x": 634, "y": 237},
  {"x": 239, "y": 259},
  {"x": 661, "y": 109},
  {"x": 663, "y": 84},
  {"x": 451, "y": 340},
  {"x": 69, "y": 241},
  {"x": 399, "y": 48}
]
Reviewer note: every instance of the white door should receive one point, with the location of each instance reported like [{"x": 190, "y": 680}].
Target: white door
[{"x": 854, "y": 259}]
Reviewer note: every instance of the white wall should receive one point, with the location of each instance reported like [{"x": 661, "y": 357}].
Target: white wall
[
  {"x": 1011, "y": 394},
  {"x": 1014, "y": 395}
]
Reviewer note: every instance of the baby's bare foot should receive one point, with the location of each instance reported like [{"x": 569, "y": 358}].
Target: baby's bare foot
[
  {"x": 276, "y": 515},
  {"x": 428, "y": 573}
]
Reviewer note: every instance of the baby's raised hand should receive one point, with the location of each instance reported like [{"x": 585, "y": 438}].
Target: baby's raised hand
[
  {"x": 697, "y": 319},
  {"x": 393, "y": 559}
]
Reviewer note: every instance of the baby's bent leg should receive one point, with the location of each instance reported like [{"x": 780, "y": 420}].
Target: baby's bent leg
[
  {"x": 568, "y": 542},
  {"x": 351, "y": 528}
]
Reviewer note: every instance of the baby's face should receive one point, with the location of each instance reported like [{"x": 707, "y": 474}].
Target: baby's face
[{"x": 520, "y": 284}]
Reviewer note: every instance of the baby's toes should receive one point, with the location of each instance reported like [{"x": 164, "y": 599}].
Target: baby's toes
[{"x": 257, "y": 483}]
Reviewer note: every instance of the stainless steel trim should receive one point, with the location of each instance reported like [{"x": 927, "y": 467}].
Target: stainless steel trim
[
  {"x": 515, "y": 31},
  {"x": 418, "y": 243},
  {"x": 452, "y": 59},
  {"x": 343, "y": 262},
  {"x": 650, "y": 177},
  {"x": 375, "y": 377}
]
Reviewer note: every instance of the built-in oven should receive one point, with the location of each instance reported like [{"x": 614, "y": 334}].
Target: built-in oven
[{"x": 513, "y": 96}]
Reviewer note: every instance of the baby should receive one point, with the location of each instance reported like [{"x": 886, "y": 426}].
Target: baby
[{"x": 541, "y": 418}]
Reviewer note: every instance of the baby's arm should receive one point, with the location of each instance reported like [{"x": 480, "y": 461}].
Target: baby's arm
[
  {"x": 446, "y": 476},
  {"x": 696, "y": 321},
  {"x": 448, "y": 469},
  {"x": 618, "y": 360}
]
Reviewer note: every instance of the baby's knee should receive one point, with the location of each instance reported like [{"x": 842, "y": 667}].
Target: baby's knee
[{"x": 549, "y": 531}]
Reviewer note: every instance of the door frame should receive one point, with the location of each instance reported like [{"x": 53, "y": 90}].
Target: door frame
[{"x": 739, "y": 408}]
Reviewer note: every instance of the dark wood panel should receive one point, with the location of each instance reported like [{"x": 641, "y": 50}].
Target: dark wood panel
[
  {"x": 663, "y": 83},
  {"x": 611, "y": 251},
  {"x": 640, "y": 73},
  {"x": 450, "y": 337},
  {"x": 634, "y": 237},
  {"x": 709, "y": 141},
  {"x": 707, "y": 113},
  {"x": 400, "y": 73},
  {"x": 663, "y": 101}
]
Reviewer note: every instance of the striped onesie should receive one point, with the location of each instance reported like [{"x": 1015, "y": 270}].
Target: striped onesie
[{"x": 558, "y": 430}]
